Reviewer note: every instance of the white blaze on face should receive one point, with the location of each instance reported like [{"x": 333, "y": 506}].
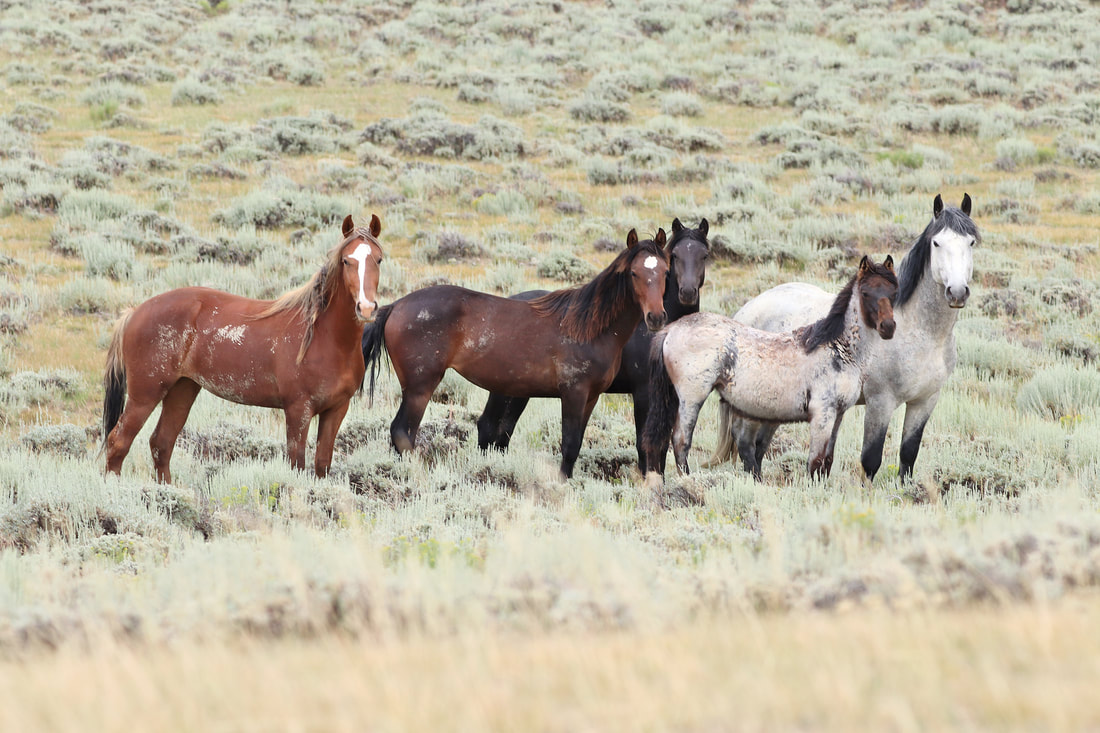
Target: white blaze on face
[
  {"x": 360, "y": 255},
  {"x": 952, "y": 258},
  {"x": 650, "y": 263}
]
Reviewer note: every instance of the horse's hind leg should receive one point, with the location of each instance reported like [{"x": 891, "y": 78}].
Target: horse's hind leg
[
  {"x": 498, "y": 421},
  {"x": 173, "y": 414},
  {"x": 135, "y": 414},
  {"x": 328, "y": 424},
  {"x": 687, "y": 416},
  {"x": 406, "y": 422}
]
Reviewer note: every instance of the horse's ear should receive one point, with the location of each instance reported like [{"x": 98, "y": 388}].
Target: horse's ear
[
  {"x": 660, "y": 240},
  {"x": 889, "y": 263},
  {"x": 375, "y": 225},
  {"x": 864, "y": 264},
  {"x": 631, "y": 239},
  {"x": 704, "y": 227},
  {"x": 966, "y": 204},
  {"x": 677, "y": 227},
  {"x": 937, "y": 207},
  {"x": 349, "y": 225}
]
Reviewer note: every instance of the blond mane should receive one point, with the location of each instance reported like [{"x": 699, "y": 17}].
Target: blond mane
[{"x": 309, "y": 301}]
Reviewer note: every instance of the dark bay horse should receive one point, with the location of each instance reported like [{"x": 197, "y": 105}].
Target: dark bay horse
[
  {"x": 911, "y": 369},
  {"x": 299, "y": 353},
  {"x": 566, "y": 344},
  {"x": 688, "y": 251},
  {"x": 811, "y": 374}
]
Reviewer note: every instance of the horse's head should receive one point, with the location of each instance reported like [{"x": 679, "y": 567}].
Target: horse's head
[
  {"x": 688, "y": 253},
  {"x": 361, "y": 256},
  {"x": 877, "y": 287},
  {"x": 953, "y": 235},
  {"x": 648, "y": 266}
]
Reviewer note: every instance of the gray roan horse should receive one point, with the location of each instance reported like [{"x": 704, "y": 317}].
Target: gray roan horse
[
  {"x": 910, "y": 369},
  {"x": 811, "y": 374},
  {"x": 688, "y": 251}
]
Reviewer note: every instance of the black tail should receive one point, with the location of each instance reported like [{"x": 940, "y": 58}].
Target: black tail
[
  {"x": 374, "y": 344},
  {"x": 663, "y": 407},
  {"x": 114, "y": 381}
]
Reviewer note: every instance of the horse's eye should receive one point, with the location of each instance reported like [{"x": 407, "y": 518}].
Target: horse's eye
[
  {"x": 935, "y": 243},
  {"x": 347, "y": 261}
]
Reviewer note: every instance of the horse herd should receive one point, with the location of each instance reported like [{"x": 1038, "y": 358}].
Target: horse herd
[{"x": 794, "y": 353}]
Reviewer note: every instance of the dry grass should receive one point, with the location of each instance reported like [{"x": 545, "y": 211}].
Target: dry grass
[{"x": 1017, "y": 668}]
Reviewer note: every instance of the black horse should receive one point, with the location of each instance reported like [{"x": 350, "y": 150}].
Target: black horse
[{"x": 688, "y": 252}]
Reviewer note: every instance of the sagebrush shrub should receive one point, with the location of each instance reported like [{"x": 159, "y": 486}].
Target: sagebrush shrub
[
  {"x": 195, "y": 92},
  {"x": 565, "y": 266},
  {"x": 1061, "y": 391}
]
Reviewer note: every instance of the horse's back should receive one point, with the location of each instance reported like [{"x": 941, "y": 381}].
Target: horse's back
[{"x": 785, "y": 307}]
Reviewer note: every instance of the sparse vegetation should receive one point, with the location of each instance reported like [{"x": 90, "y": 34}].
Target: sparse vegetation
[{"x": 149, "y": 145}]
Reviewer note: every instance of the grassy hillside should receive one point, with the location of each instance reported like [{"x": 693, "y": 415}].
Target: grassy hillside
[{"x": 149, "y": 145}]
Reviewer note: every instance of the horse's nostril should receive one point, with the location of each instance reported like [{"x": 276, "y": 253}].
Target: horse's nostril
[{"x": 656, "y": 321}]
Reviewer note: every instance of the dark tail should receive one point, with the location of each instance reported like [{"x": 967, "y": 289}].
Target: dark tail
[
  {"x": 114, "y": 380},
  {"x": 663, "y": 407},
  {"x": 374, "y": 344}
]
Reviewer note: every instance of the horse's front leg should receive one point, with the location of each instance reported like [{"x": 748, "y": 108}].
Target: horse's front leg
[
  {"x": 298, "y": 416},
  {"x": 686, "y": 417},
  {"x": 576, "y": 408},
  {"x": 876, "y": 420},
  {"x": 641, "y": 413},
  {"x": 824, "y": 426},
  {"x": 916, "y": 417},
  {"x": 328, "y": 424}
]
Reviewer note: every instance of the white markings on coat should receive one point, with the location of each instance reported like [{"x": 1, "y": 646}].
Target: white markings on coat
[
  {"x": 650, "y": 263},
  {"x": 230, "y": 333}
]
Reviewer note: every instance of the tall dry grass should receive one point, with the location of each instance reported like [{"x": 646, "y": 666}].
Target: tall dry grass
[{"x": 1029, "y": 667}]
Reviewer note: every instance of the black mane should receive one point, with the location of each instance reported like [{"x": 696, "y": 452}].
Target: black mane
[
  {"x": 831, "y": 327},
  {"x": 915, "y": 262},
  {"x": 587, "y": 310}
]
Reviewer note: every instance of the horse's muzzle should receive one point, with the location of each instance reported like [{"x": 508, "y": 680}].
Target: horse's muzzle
[
  {"x": 369, "y": 316},
  {"x": 689, "y": 296},
  {"x": 957, "y": 295},
  {"x": 656, "y": 321},
  {"x": 886, "y": 329}
]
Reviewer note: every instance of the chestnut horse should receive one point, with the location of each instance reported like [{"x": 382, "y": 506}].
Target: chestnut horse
[
  {"x": 688, "y": 252},
  {"x": 811, "y": 374},
  {"x": 566, "y": 344},
  {"x": 300, "y": 353}
]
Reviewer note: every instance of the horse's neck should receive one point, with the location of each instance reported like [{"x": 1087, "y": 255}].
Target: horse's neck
[
  {"x": 338, "y": 317},
  {"x": 622, "y": 325},
  {"x": 856, "y": 334},
  {"x": 928, "y": 309}
]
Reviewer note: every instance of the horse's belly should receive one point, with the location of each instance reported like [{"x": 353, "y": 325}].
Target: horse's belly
[
  {"x": 768, "y": 404},
  {"x": 244, "y": 389}
]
